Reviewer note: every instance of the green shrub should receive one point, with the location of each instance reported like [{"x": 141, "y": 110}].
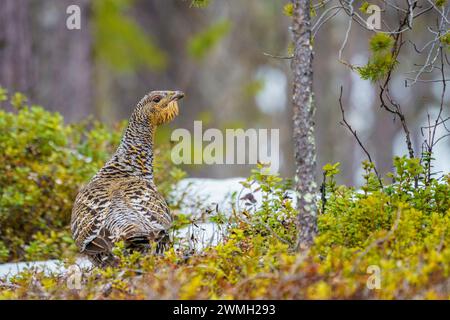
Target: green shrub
[
  {"x": 401, "y": 228},
  {"x": 276, "y": 215}
]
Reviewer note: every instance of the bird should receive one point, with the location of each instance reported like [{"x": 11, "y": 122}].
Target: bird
[{"x": 121, "y": 202}]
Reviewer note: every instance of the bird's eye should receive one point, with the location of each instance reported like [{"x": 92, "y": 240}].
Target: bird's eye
[{"x": 156, "y": 99}]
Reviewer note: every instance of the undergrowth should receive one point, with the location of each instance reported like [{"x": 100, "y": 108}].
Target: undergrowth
[{"x": 386, "y": 241}]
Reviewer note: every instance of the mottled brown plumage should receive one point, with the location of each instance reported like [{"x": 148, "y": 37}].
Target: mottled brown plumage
[{"x": 121, "y": 202}]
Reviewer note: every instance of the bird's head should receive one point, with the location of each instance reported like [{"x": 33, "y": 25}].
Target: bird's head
[{"x": 160, "y": 107}]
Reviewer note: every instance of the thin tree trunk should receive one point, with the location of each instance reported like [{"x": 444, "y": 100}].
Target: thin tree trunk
[
  {"x": 44, "y": 60},
  {"x": 304, "y": 141}
]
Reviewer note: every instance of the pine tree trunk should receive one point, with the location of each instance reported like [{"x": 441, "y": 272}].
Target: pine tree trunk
[
  {"x": 44, "y": 60},
  {"x": 304, "y": 141}
]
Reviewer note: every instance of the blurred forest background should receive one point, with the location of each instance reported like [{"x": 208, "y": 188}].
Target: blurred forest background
[{"x": 215, "y": 54}]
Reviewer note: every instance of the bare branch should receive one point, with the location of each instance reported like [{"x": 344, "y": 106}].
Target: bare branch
[{"x": 349, "y": 127}]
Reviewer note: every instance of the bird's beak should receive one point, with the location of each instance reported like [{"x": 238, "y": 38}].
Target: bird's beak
[{"x": 177, "y": 95}]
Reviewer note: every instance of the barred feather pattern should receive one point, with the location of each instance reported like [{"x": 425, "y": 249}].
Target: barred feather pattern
[{"x": 121, "y": 202}]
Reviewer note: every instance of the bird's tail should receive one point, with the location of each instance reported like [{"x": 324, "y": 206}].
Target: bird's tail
[{"x": 146, "y": 241}]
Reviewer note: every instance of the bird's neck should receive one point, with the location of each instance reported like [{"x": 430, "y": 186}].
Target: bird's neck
[{"x": 134, "y": 156}]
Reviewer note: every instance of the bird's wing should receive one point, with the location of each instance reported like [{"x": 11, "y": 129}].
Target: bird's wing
[
  {"x": 115, "y": 209},
  {"x": 140, "y": 205},
  {"x": 88, "y": 217}
]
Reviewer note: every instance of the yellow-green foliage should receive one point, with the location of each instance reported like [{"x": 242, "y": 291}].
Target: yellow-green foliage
[
  {"x": 382, "y": 60},
  {"x": 445, "y": 39},
  {"x": 288, "y": 9},
  {"x": 43, "y": 163},
  {"x": 200, "y": 3},
  {"x": 401, "y": 229},
  {"x": 363, "y": 8}
]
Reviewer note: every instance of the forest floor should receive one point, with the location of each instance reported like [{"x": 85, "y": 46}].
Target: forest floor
[{"x": 194, "y": 197}]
